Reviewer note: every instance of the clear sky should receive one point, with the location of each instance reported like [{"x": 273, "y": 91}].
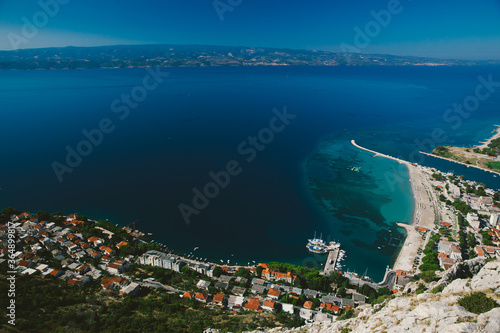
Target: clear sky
[{"x": 435, "y": 28}]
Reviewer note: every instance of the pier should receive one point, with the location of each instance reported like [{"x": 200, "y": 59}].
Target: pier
[
  {"x": 331, "y": 261},
  {"x": 379, "y": 154}
]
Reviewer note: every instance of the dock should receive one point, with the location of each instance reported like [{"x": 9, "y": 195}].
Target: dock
[{"x": 331, "y": 261}]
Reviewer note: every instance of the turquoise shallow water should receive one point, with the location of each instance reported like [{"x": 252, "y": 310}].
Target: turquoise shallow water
[{"x": 193, "y": 123}]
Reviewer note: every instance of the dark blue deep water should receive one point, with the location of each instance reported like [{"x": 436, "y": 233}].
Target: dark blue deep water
[{"x": 193, "y": 123}]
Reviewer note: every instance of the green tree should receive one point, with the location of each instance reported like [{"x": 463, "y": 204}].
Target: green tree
[
  {"x": 478, "y": 303},
  {"x": 217, "y": 271}
]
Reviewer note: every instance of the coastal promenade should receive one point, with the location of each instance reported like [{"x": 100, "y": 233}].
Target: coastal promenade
[{"x": 424, "y": 214}]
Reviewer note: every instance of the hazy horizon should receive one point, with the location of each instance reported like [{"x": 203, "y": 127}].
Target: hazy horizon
[{"x": 444, "y": 30}]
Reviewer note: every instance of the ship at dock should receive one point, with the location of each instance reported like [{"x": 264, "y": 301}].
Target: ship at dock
[{"x": 319, "y": 246}]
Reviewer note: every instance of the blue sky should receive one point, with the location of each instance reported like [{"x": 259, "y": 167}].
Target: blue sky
[{"x": 444, "y": 28}]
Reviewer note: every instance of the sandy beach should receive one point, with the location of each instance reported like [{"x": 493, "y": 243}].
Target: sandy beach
[
  {"x": 423, "y": 215},
  {"x": 487, "y": 142}
]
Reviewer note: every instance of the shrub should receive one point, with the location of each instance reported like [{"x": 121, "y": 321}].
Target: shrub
[
  {"x": 437, "y": 289},
  {"x": 478, "y": 303}
]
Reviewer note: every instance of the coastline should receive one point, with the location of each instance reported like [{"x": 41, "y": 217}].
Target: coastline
[
  {"x": 467, "y": 165},
  {"x": 487, "y": 142},
  {"x": 423, "y": 212}
]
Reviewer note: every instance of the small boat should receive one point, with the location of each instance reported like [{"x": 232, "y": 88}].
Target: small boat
[{"x": 196, "y": 248}]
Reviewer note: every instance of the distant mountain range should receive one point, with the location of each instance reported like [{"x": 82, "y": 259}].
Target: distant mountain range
[{"x": 125, "y": 56}]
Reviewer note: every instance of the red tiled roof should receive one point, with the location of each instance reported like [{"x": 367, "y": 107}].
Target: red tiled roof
[
  {"x": 187, "y": 294},
  {"x": 253, "y": 304},
  {"x": 273, "y": 292},
  {"x": 308, "y": 304},
  {"x": 201, "y": 296},
  {"x": 218, "y": 298},
  {"x": 269, "y": 302}
]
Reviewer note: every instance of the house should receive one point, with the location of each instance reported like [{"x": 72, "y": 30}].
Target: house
[
  {"x": 202, "y": 284},
  {"x": 218, "y": 299},
  {"x": 235, "y": 302},
  {"x": 122, "y": 243},
  {"x": 202, "y": 297},
  {"x": 113, "y": 268},
  {"x": 401, "y": 278},
  {"x": 308, "y": 304},
  {"x": 56, "y": 273},
  {"x": 332, "y": 307},
  {"x": 323, "y": 318},
  {"x": 113, "y": 281},
  {"x": 187, "y": 294},
  {"x": 239, "y": 291},
  {"x": 288, "y": 308},
  {"x": 268, "y": 304},
  {"x": 241, "y": 280},
  {"x": 258, "y": 289},
  {"x": 446, "y": 263},
  {"x": 132, "y": 289},
  {"x": 96, "y": 241},
  {"x": 83, "y": 269},
  {"x": 222, "y": 285},
  {"x": 446, "y": 224},
  {"x": 358, "y": 298},
  {"x": 344, "y": 302},
  {"x": 495, "y": 219},
  {"x": 455, "y": 252},
  {"x": 274, "y": 293},
  {"x": 473, "y": 220},
  {"x": 306, "y": 314},
  {"x": 296, "y": 291},
  {"x": 330, "y": 299},
  {"x": 310, "y": 293},
  {"x": 253, "y": 304},
  {"x": 225, "y": 278},
  {"x": 422, "y": 229},
  {"x": 258, "y": 281}
]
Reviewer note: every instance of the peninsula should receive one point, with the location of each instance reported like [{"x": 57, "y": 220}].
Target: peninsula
[{"x": 485, "y": 156}]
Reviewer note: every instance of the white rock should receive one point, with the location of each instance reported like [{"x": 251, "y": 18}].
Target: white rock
[
  {"x": 457, "y": 286},
  {"x": 490, "y": 320}
]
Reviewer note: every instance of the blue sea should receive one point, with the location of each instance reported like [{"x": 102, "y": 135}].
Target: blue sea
[{"x": 291, "y": 178}]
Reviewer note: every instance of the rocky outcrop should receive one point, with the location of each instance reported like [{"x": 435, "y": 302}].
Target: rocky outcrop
[{"x": 427, "y": 312}]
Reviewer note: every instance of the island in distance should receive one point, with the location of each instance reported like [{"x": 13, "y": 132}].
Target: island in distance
[{"x": 167, "y": 55}]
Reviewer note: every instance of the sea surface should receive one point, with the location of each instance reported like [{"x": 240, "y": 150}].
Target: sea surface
[{"x": 306, "y": 178}]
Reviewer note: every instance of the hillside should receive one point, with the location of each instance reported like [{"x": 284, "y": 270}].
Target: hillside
[
  {"x": 201, "y": 55},
  {"x": 430, "y": 311}
]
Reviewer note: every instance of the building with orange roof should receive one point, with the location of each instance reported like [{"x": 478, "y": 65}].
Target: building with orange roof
[
  {"x": 113, "y": 281},
  {"x": 400, "y": 272},
  {"x": 253, "y": 304},
  {"x": 422, "y": 229},
  {"x": 202, "y": 297},
  {"x": 335, "y": 308},
  {"x": 262, "y": 265},
  {"x": 218, "y": 299},
  {"x": 446, "y": 224},
  {"x": 274, "y": 293},
  {"x": 122, "y": 243},
  {"x": 187, "y": 294},
  {"x": 308, "y": 304},
  {"x": 55, "y": 273},
  {"x": 268, "y": 304}
]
